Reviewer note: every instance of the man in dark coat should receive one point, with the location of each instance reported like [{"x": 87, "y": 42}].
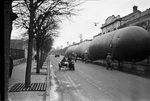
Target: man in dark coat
[{"x": 109, "y": 61}]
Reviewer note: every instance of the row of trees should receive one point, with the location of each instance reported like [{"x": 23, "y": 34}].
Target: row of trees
[{"x": 41, "y": 19}]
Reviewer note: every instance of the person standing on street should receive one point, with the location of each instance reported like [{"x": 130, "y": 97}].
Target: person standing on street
[
  {"x": 75, "y": 57},
  {"x": 109, "y": 61},
  {"x": 86, "y": 58}
]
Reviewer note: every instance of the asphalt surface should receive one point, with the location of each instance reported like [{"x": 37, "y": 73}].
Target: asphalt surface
[{"x": 90, "y": 82}]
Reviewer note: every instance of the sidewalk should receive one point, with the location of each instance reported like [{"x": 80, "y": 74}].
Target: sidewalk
[{"x": 18, "y": 76}]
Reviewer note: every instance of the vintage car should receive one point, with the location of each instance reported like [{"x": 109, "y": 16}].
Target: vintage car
[{"x": 66, "y": 64}]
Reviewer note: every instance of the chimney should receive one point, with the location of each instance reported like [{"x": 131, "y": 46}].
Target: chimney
[{"x": 135, "y": 9}]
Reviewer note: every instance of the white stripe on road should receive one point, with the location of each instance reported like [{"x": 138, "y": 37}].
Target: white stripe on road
[
  {"x": 80, "y": 95},
  {"x": 53, "y": 93}
]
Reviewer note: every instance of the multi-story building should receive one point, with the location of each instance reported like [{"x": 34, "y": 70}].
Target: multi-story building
[
  {"x": 111, "y": 23},
  {"x": 136, "y": 18}
]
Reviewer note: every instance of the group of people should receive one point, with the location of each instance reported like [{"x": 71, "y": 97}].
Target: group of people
[
  {"x": 109, "y": 62},
  {"x": 85, "y": 58},
  {"x": 65, "y": 61}
]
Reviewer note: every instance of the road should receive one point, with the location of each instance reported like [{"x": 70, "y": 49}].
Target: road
[{"x": 90, "y": 82}]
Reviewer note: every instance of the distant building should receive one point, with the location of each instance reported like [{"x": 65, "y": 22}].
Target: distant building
[
  {"x": 136, "y": 18},
  {"x": 111, "y": 23},
  {"x": 129, "y": 19},
  {"x": 139, "y": 19},
  {"x": 21, "y": 44},
  {"x": 73, "y": 43},
  {"x": 97, "y": 35}
]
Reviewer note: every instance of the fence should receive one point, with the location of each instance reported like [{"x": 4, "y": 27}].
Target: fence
[{"x": 17, "y": 53}]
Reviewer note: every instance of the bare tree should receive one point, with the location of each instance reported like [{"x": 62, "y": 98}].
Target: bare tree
[
  {"x": 35, "y": 9},
  {"x": 46, "y": 47},
  {"x": 48, "y": 29}
]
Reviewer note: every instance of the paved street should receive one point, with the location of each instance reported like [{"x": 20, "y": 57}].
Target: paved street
[{"x": 90, "y": 82}]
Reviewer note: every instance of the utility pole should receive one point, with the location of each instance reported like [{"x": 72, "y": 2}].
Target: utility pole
[
  {"x": 67, "y": 43},
  {"x": 81, "y": 37}
]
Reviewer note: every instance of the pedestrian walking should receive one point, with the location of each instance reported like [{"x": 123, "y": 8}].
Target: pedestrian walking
[
  {"x": 86, "y": 58},
  {"x": 75, "y": 57},
  {"x": 10, "y": 67},
  {"x": 109, "y": 61}
]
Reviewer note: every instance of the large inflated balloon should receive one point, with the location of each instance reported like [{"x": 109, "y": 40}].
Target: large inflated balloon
[
  {"x": 70, "y": 50},
  {"x": 129, "y": 43},
  {"x": 82, "y": 48}
]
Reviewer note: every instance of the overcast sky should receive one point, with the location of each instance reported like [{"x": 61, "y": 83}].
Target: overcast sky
[{"x": 94, "y": 11}]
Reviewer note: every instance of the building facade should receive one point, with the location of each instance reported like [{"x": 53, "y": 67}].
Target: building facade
[
  {"x": 136, "y": 18},
  {"x": 111, "y": 23}
]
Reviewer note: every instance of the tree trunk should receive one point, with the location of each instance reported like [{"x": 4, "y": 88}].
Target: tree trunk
[
  {"x": 41, "y": 58},
  {"x": 7, "y": 34},
  {"x": 38, "y": 61},
  {"x": 30, "y": 44},
  {"x": 29, "y": 63}
]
